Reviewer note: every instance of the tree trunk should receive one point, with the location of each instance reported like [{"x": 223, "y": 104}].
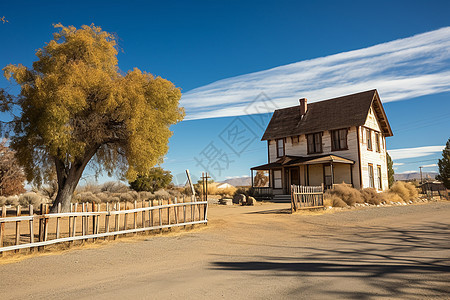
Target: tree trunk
[{"x": 68, "y": 178}]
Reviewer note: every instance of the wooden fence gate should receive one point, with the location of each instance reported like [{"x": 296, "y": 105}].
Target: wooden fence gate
[{"x": 304, "y": 197}]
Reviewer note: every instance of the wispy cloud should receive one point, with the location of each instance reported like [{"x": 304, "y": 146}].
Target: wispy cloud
[
  {"x": 398, "y": 164},
  {"x": 430, "y": 166},
  {"x": 400, "y": 69},
  {"x": 414, "y": 152}
]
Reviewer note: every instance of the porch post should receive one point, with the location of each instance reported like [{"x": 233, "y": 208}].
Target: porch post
[
  {"x": 251, "y": 175},
  {"x": 351, "y": 175},
  {"x": 332, "y": 175}
]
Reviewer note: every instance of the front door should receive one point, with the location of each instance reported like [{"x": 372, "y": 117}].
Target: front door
[{"x": 295, "y": 176}]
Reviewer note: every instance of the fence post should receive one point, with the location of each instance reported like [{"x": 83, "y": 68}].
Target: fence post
[
  {"x": 31, "y": 226},
  {"x": 107, "y": 219},
  {"x": 18, "y": 214},
  {"x": 2, "y": 226},
  {"x": 125, "y": 218},
  {"x": 184, "y": 211},
  {"x": 58, "y": 210},
  {"x": 143, "y": 213},
  {"x": 135, "y": 217},
  {"x": 117, "y": 219},
  {"x": 176, "y": 210}
]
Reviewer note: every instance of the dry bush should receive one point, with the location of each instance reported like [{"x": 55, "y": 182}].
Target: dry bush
[
  {"x": 145, "y": 196},
  {"x": 90, "y": 187},
  {"x": 162, "y": 195},
  {"x": 333, "y": 200},
  {"x": 405, "y": 190},
  {"x": 126, "y": 197},
  {"x": 2, "y": 200},
  {"x": 103, "y": 197},
  {"x": 348, "y": 194},
  {"x": 12, "y": 200},
  {"x": 86, "y": 197},
  {"x": 391, "y": 197},
  {"x": 175, "y": 193},
  {"x": 229, "y": 191},
  {"x": 371, "y": 196},
  {"x": 30, "y": 198},
  {"x": 114, "y": 187}
]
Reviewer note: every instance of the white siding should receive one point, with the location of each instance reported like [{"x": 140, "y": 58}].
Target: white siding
[{"x": 372, "y": 156}]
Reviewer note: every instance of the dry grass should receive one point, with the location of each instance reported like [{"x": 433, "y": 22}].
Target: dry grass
[
  {"x": 371, "y": 196},
  {"x": 407, "y": 191},
  {"x": 347, "y": 194},
  {"x": 333, "y": 200}
]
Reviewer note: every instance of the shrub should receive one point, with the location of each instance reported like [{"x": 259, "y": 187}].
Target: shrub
[
  {"x": 2, "y": 200},
  {"x": 348, "y": 194},
  {"x": 114, "y": 187},
  {"x": 12, "y": 200},
  {"x": 227, "y": 191},
  {"x": 333, "y": 200},
  {"x": 391, "y": 197},
  {"x": 405, "y": 190},
  {"x": 30, "y": 198},
  {"x": 127, "y": 197},
  {"x": 103, "y": 197},
  {"x": 156, "y": 179},
  {"x": 87, "y": 197},
  {"x": 162, "y": 195},
  {"x": 371, "y": 196}
]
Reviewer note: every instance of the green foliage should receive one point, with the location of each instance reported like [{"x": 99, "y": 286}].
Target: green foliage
[
  {"x": 390, "y": 166},
  {"x": 78, "y": 107},
  {"x": 157, "y": 179},
  {"x": 444, "y": 166}
]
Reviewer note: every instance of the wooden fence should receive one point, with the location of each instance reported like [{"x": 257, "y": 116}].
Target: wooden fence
[
  {"x": 88, "y": 221},
  {"x": 304, "y": 197}
]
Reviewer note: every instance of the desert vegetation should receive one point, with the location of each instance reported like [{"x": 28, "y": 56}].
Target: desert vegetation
[{"x": 343, "y": 195}]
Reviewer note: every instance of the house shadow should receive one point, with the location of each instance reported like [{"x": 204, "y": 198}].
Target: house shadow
[{"x": 392, "y": 262}]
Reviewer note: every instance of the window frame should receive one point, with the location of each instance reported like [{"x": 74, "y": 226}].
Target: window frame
[
  {"x": 275, "y": 179},
  {"x": 315, "y": 143},
  {"x": 371, "y": 176},
  {"x": 295, "y": 140},
  {"x": 379, "y": 178},
  {"x": 339, "y": 139},
  {"x": 369, "y": 139},
  {"x": 278, "y": 148},
  {"x": 377, "y": 142}
]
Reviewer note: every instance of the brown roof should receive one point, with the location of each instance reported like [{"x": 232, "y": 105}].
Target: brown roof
[
  {"x": 289, "y": 160},
  {"x": 341, "y": 112}
]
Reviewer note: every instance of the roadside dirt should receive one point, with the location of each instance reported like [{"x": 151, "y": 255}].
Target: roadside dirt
[{"x": 257, "y": 252}]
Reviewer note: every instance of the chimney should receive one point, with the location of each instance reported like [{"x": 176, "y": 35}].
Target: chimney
[{"x": 303, "y": 106}]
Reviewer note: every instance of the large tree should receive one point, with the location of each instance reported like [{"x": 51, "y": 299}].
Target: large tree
[
  {"x": 444, "y": 166},
  {"x": 12, "y": 177},
  {"x": 77, "y": 107}
]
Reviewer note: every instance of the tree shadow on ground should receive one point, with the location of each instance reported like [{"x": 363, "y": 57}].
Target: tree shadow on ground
[
  {"x": 373, "y": 262},
  {"x": 282, "y": 211}
]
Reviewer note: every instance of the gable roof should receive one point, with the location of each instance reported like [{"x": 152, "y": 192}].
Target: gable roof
[{"x": 336, "y": 113}]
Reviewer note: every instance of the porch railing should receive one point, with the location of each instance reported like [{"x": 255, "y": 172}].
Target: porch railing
[
  {"x": 304, "y": 197},
  {"x": 262, "y": 192}
]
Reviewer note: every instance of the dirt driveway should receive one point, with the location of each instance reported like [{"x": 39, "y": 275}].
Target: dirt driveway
[{"x": 257, "y": 252}]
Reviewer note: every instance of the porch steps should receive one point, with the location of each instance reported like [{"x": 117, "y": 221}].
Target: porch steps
[{"x": 281, "y": 199}]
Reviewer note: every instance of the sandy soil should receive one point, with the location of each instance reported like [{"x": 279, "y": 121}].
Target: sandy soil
[{"x": 257, "y": 252}]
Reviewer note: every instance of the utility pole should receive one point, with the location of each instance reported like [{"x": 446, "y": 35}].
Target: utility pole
[
  {"x": 421, "y": 180},
  {"x": 205, "y": 178}
]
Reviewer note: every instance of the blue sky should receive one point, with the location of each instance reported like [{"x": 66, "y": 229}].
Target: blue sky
[{"x": 281, "y": 51}]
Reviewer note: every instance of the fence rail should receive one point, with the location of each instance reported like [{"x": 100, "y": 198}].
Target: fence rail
[
  {"x": 84, "y": 225},
  {"x": 304, "y": 197}
]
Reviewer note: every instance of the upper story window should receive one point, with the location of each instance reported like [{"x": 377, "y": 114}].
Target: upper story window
[
  {"x": 314, "y": 142},
  {"x": 369, "y": 139},
  {"x": 295, "y": 140},
  {"x": 377, "y": 142},
  {"x": 280, "y": 147},
  {"x": 339, "y": 139}
]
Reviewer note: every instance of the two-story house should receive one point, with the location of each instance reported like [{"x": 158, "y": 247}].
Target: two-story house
[{"x": 328, "y": 142}]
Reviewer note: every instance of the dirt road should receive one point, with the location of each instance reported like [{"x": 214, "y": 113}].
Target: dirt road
[{"x": 258, "y": 252}]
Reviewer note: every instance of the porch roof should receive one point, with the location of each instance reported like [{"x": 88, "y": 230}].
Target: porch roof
[{"x": 290, "y": 161}]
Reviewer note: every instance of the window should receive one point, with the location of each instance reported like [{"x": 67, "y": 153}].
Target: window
[
  {"x": 369, "y": 139},
  {"x": 371, "y": 179},
  {"x": 295, "y": 140},
  {"x": 380, "y": 184},
  {"x": 377, "y": 142},
  {"x": 314, "y": 142},
  {"x": 339, "y": 139},
  {"x": 277, "y": 184},
  {"x": 280, "y": 147}
]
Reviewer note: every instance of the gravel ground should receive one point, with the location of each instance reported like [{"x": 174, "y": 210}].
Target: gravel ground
[{"x": 258, "y": 252}]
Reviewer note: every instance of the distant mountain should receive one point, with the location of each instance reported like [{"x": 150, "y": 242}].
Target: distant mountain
[
  {"x": 415, "y": 175},
  {"x": 239, "y": 181}
]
